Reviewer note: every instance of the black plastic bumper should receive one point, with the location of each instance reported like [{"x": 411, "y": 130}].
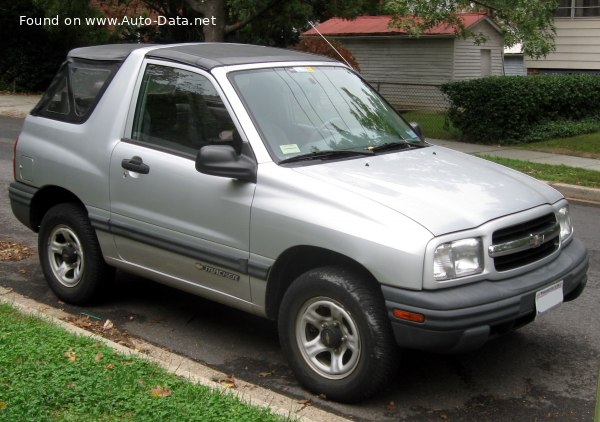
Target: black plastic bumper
[
  {"x": 20, "y": 196},
  {"x": 463, "y": 318}
]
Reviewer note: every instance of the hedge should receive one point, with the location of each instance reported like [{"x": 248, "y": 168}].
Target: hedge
[{"x": 513, "y": 109}]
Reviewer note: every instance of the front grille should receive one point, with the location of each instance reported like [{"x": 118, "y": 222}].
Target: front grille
[{"x": 536, "y": 239}]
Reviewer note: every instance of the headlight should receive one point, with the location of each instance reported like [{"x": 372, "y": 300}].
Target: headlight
[
  {"x": 564, "y": 219},
  {"x": 458, "y": 259}
]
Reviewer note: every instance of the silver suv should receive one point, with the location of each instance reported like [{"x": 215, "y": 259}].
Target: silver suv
[{"x": 282, "y": 184}]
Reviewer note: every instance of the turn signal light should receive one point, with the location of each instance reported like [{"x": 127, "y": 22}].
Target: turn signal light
[{"x": 408, "y": 316}]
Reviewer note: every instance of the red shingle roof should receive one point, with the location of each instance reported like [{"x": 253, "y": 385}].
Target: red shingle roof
[{"x": 379, "y": 25}]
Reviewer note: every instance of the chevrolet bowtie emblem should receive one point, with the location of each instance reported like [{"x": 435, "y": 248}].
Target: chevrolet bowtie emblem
[{"x": 535, "y": 240}]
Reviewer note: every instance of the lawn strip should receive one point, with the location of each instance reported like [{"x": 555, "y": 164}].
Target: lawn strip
[
  {"x": 49, "y": 374},
  {"x": 587, "y": 146},
  {"x": 550, "y": 172}
]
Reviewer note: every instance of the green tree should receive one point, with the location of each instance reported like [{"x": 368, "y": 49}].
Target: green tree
[
  {"x": 529, "y": 22},
  {"x": 267, "y": 22},
  {"x": 31, "y": 53}
]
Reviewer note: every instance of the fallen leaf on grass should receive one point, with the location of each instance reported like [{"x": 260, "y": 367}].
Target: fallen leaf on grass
[
  {"x": 99, "y": 356},
  {"x": 109, "y": 366},
  {"x": 71, "y": 355},
  {"x": 160, "y": 391},
  {"x": 2, "y": 405}
]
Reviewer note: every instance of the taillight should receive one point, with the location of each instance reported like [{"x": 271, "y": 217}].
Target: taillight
[{"x": 15, "y": 158}]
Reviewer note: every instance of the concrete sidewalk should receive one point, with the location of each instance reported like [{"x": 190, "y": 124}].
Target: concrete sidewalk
[
  {"x": 12, "y": 105},
  {"x": 19, "y": 106}
]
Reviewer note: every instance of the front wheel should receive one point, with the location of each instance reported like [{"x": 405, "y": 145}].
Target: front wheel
[
  {"x": 336, "y": 335},
  {"x": 70, "y": 255}
]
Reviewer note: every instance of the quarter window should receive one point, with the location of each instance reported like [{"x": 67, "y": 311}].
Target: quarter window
[
  {"x": 75, "y": 90},
  {"x": 180, "y": 111}
]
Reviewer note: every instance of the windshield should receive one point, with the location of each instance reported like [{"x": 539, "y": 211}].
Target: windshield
[{"x": 303, "y": 110}]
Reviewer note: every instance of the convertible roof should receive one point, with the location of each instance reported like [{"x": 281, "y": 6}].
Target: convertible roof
[
  {"x": 110, "y": 52},
  {"x": 204, "y": 55}
]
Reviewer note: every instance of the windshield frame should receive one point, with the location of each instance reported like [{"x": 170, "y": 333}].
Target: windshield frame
[{"x": 417, "y": 141}]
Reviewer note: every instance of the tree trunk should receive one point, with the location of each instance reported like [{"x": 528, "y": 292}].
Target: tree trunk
[{"x": 210, "y": 9}]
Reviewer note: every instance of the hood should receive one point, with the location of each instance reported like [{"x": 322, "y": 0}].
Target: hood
[{"x": 441, "y": 189}]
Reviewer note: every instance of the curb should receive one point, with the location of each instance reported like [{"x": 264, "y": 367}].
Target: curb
[
  {"x": 192, "y": 371},
  {"x": 578, "y": 193}
]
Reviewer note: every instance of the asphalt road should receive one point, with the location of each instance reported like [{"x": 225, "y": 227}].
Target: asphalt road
[{"x": 545, "y": 371}]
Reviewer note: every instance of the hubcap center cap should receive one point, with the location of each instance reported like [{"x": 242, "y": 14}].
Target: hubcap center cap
[
  {"x": 331, "y": 337},
  {"x": 69, "y": 255}
]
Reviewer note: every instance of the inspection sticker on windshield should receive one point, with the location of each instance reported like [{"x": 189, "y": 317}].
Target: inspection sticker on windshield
[
  {"x": 303, "y": 69},
  {"x": 289, "y": 148},
  {"x": 549, "y": 298}
]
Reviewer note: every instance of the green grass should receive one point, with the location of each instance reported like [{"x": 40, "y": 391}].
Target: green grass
[
  {"x": 51, "y": 375},
  {"x": 587, "y": 145},
  {"x": 434, "y": 125},
  {"x": 551, "y": 173}
]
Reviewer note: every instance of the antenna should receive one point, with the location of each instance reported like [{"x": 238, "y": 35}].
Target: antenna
[{"x": 330, "y": 45}]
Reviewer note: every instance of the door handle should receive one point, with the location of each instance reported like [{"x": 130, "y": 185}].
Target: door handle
[{"x": 135, "y": 164}]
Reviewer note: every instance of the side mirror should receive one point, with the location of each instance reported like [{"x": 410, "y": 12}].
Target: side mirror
[
  {"x": 223, "y": 161},
  {"x": 417, "y": 128}
]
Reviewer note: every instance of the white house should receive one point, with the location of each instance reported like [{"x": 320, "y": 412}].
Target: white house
[{"x": 577, "y": 40}]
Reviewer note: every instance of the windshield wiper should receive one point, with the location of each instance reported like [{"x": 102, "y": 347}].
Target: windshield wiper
[
  {"x": 324, "y": 155},
  {"x": 388, "y": 146}
]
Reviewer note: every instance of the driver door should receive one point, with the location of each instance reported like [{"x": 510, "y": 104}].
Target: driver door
[{"x": 182, "y": 226}]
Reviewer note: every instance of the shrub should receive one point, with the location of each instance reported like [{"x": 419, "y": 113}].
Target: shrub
[
  {"x": 512, "y": 109},
  {"x": 320, "y": 46}
]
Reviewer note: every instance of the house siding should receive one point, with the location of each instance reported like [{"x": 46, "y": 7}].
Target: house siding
[
  {"x": 467, "y": 54},
  {"x": 406, "y": 72},
  {"x": 514, "y": 66},
  {"x": 422, "y": 61},
  {"x": 577, "y": 46}
]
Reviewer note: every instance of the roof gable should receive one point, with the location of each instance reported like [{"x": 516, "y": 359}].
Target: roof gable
[{"x": 379, "y": 25}]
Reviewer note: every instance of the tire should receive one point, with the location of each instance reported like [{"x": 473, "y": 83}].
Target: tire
[
  {"x": 70, "y": 255},
  {"x": 336, "y": 335}
]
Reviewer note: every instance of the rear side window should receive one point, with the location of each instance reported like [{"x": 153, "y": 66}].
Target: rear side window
[{"x": 75, "y": 90}]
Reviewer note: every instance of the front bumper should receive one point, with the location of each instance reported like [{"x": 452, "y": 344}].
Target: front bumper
[{"x": 463, "y": 318}]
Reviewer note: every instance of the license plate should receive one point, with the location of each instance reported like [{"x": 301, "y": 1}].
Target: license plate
[{"x": 549, "y": 298}]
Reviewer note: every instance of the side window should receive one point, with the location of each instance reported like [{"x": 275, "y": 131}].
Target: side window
[
  {"x": 180, "y": 111},
  {"x": 58, "y": 102},
  {"x": 86, "y": 83},
  {"x": 75, "y": 90}
]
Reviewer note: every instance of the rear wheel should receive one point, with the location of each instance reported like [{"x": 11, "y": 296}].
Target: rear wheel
[
  {"x": 70, "y": 255},
  {"x": 336, "y": 335}
]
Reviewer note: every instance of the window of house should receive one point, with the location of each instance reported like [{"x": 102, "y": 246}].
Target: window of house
[
  {"x": 578, "y": 9},
  {"x": 179, "y": 111}
]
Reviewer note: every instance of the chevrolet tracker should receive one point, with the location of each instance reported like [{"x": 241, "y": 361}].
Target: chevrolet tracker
[{"x": 280, "y": 183}]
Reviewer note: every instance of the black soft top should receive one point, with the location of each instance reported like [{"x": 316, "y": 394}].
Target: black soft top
[{"x": 203, "y": 55}]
